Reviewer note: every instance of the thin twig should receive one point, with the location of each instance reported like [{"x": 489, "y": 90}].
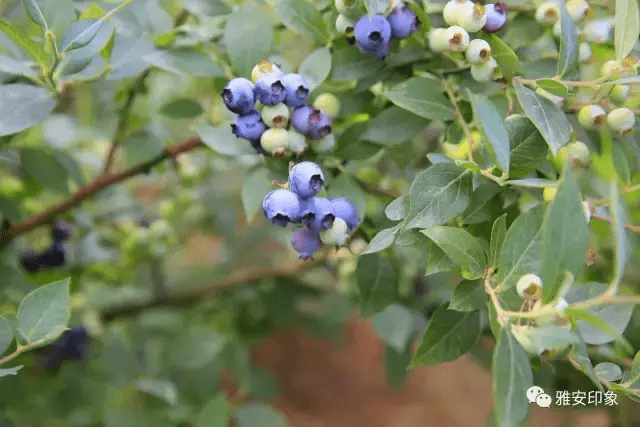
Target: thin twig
[
  {"x": 630, "y": 227},
  {"x": 465, "y": 128}
]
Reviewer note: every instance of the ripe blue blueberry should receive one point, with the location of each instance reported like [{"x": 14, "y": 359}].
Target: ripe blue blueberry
[
  {"x": 316, "y": 214},
  {"x": 300, "y": 118},
  {"x": 306, "y": 242},
  {"x": 239, "y": 95},
  {"x": 319, "y": 125},
  {"x": 403, "y": 22},
  {"x": 281, "y": 207},
  {"x": 270, "y": 89},
  {"x": 70, "y": 346},
  {"x": 30, "y": 261},
  {"x": 306, "y": 179},
  {"x": 344, "y": 209},
  {"x": 373, "y": 36},
  {"x": 60, "y": 231},
  {"x": 496, "y": 16},
  {"x": 296, "y": 90},
  {"x": 249, "y": 126},
  {"x": 52, "y": 257}
]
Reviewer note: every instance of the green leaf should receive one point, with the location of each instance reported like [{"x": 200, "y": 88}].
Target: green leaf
[
  {"x": 159, "y": 388},
  {"x": 84, "y": 37},
  {"x": 382, "y": 240},
  {"x": 533, "y": 183},
  {"x": 316, "y": 67},
  {"x": 247, "y": 39},
  {"x": 551, "y": 337},
  {"x": 580, "y": 354},
  {"x": 498, "y": 234},
  {"x": 505, "y": 56},
  {"x": 23, "y": 106},
  {"x": 565, "y": 237},
  {"x": 569, "y": 44},
  {"x": 6, "y": 335},
  {"x": 214, "y": 413},
  {"x": 619, "y": 233},
  {"x": 92, "y": 12},
  {"x": 255, "y": 187},
  {"x": 547, "y": 117},
  {"x": 73, "y": 64},
  {"x": 377, "y": 7},
  {"x": 394, "y": 126},
  {"x": 397, "y": 209},
  {"x": 195, "y": 63},
  {"x": 624, "y": 160},
  {"x": 468, "y": 295},
  {"x": 303, "y": 18},
  {"x": 633, "y": 376},
  {"x": 464, "y": 249},
  {"x": 106, "y": 50},
  {"x": 520, "y": 252},
  {"x": 44, "y": 313},
  {"x": 10, "y": 371},
  {"x": 376, "y": 279},
  {"x": 349, "y": 64},
  {"x": 627, "y": 27},
  {"x": 609, "y": 371},
  {"x": 449, "y": 335},
  {"x": 397, "y": 364},
  {"x": 30, "y": 47},
  {"x": 259, "y": 415},
  {"x": 421, "y": 96},
  {"x": 10, "y": 209},
  {"x": 528, "y": 147},
  {"x": 555, "y": 87},
  {"x": 221, "y": 140},
  {"x": 493, "y": 128},
  {"x": 34, "y": 13},
  {"x": 141, "y": 147},
  {"x": 512, "y": 377},
  {"x": 394, "y": 326},
  {"x": 45, "y": 169},
  {"x": 437, "y": 195},
  {"x": 183, "y": 108}
]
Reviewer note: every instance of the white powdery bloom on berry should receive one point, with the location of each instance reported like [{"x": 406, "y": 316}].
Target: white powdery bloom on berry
[
  {"x": 547, "y": 13},
  {"x": 457, "y": 37},
  {"x": 621, "y": 120},
  {"x": 529, "y": 286},
  {"x": 478, "y": 51},
  {"x": 453, "y": 10},
  {"x": 483, "y": 72},
  {"x": 473, "y": 17},
  {"x": 437, "y": 40}
]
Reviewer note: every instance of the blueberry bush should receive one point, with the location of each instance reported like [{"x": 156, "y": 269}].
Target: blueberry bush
[{"x": 464, "y": 174}]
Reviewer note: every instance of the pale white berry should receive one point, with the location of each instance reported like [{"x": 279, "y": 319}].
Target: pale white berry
[
  {"x": 621, "y": 120},
  {"x": 478, "y": 51},
  {"x": 483, "y": 72},
  {"x": 619, "y": 93},
  {"x": 577, "y": 9},
  {"x": 547, "y": 13},
  {"x": 263, "y": 68},
  {"x": 600, "y": 31},
  {"x": 325, "y": 144},
  {"x": 585, "y": 52},
  {"x": 529, "y": 286},
  {"x": 344, "y": 25},
  {"x": 275, "y": 115},
  {"x": 592, "y": 117},
  {"x": 296, "y": 141},
  {"x": 473, "y": 18},
  {"x": 337, "y": 234},
  {"x": 453, "y": 10},
  {"x": 457, "y": 37},
  {"x": 438, "y": 41}
]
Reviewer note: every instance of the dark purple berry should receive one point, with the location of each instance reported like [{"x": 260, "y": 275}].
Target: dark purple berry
[
  {"x": 306, "y": 242},
  {"x": 30, "y": 261}
]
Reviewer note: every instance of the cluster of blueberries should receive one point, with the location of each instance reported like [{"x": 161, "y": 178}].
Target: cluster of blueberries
[
  {"x": 54, "y": 256},
  {"x": 277, "y": 92},
  {"x": 71, "y": 345},
  {"x": 326, "y": 221}
]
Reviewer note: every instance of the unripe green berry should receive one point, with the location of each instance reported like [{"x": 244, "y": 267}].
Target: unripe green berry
[
  {"x": 329, "y": 103},
  {"x": 621, "y": 120},
  {"x": 10, "y": 185},
  {"x": 344, "y": 25},
  {"x": 473, "y": 18},
  {"x": 529, "y": 286},
  {"x": 297, "y": 142},
  {"x": 263, "y": 68},
  {"x": 457, "y": 37},
  {"x": 592, "y": 117},
  {"x": 618, "y": 69},
  {"x": 336, "y": 235},
  {"x": 478, "y": 51},
  {"x": 275, "y": 140},
  {"x": 483, "y": 72},
  {"x": 549, "y": 193},
  {"x": 575, "y": 154},
  {"x": 547, "y": 13},
  {"x": 578, "y": 9},
  {"x": 275, "y": 116},
  {"x": 342, "y": 6},
  {"x": 619, "y": 93},
  {"x": 437, "y": 40},
  {"x": 453, "y": 10},
  {"x": 324, "y": 145},
  {"x": 585, "y": 53}
]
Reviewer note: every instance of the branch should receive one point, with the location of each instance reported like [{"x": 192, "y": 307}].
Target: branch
[
  {"x": 98, "y": 184},
  {"x": 19, "y": 351},
  {"x": 239, "y": 278},
  {"x": 630, "y": 227}
]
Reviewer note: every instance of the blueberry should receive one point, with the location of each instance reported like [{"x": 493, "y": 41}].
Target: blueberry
[
  {"x": 403, "y": 22},
  {"x": 70, "y": 346},
  {"x": 270, "y": 89},
  {"x": 306, "y": 242},
  {"x": 296, "y": 90},
  {"x": 343, "y": 208},
  {"x": 496, "y": 16},
  {"x": 306, "y": 179},
  {"x": 249, "y": 126},
  {"x": 52, "y": 257},
  {"x": 300, "y": 118},
  {"x": 239, "y": 95},
  {"x": 60, "y": 231},
  {"x": 373, "y": 36},
  {"x": 281, "y": 207},
  {"x": 316, "y": 213},
  {"x": 30, "y": 261},
  {"x": 319, "y": 125}
]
